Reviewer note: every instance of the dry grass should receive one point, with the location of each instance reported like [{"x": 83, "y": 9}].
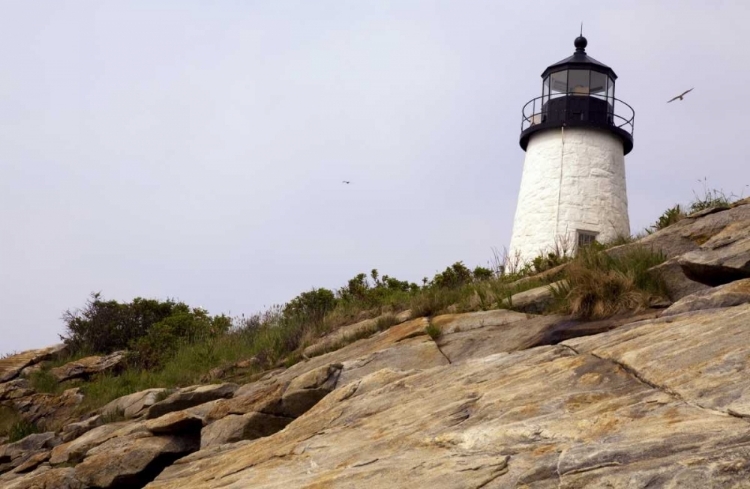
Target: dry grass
[{"x": 600, "y": 286}]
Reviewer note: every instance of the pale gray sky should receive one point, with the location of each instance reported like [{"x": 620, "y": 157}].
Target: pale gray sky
[{"x": 195, "y": 149}]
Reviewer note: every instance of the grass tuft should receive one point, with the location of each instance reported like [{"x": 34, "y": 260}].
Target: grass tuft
[{"x": 600, "y": 286}]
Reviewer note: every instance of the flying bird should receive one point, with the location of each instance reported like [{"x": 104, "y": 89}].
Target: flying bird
[
  {"x": 346, "y": 182},
  {"x": 680, "y": 96}
]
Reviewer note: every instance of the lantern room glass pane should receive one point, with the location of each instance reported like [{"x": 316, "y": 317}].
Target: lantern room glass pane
[
  {"x": 611, "y": 92},
  {"x": 578, "y": 82},
  {"x": 558, "y": 83},
  {"x": 598, "y": 86}
]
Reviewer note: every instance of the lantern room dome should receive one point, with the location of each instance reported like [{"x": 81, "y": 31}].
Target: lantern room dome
[{"x": 580, "y": 60}]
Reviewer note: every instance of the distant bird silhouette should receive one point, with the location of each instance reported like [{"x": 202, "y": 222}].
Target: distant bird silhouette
[
  {"x": 346, "y": 182},
  {"x": 679, "y": 97}
]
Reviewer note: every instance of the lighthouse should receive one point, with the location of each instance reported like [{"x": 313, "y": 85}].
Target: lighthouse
[{"x": 576, "y": 136}]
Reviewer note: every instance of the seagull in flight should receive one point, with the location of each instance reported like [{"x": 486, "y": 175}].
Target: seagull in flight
[
  {"x": 346, "y": 182},
  {"x": 679, "y": 97}
]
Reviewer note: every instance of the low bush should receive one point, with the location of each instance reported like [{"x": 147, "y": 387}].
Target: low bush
[{"x": 599, "y": 285}]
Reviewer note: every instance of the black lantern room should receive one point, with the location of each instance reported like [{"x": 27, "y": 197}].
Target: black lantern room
[{"x": 578, "y": 91}]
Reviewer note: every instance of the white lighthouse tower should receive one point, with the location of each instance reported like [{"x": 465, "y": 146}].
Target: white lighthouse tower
[{"x": 576, "y": 136}]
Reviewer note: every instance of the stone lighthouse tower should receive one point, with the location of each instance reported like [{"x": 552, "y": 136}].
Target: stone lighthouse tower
[{"x": 576, "y": 136}]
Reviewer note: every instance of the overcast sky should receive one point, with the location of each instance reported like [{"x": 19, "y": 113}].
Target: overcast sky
[{"x": 195, "y": 149}]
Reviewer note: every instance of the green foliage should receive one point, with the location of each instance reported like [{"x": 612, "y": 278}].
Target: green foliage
[
  {"x": 710, "y": 199},
  {"x": 43, "y": 381},
  {"x": 599, "y": 285},
  {"x": 21, "y": 430},
  {"x": 151, "y": 330},
  {"x": 313, "y": 305},
  {"x": 166, "y": 337},
  {"x": 454, "y": 276},
  {"x": 107, "y": 326},
  {"x": 433, "y": 331},
  {"x": 482, "y": 273},
  {"x": 670, "y": 216}
]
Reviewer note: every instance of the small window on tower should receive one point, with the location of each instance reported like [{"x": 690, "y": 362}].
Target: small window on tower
[{"x": 585, "y": 238}]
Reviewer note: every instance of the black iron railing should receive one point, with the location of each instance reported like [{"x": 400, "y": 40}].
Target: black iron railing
[{"x": 578, "y": 110}]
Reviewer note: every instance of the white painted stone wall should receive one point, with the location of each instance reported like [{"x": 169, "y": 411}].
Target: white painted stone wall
[{"x": 572, "y": 179}]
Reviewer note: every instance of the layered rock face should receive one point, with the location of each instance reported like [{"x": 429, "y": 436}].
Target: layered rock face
[{"x": 498, "y": 399}]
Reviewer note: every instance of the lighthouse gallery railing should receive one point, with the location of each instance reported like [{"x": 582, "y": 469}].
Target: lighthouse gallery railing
[{"x": 577, "y": 110}]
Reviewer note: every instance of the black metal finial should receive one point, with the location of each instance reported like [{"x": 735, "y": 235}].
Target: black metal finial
[{"x": 580, "y": 43}]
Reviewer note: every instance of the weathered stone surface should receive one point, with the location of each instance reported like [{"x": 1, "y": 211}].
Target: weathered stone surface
[
  {"x": 15, "y": 389},
  {"x": 533, "y": 301},
  {"x": 728, "y": 295},
  {"x": 688, "y": 234},
  {"x": 702, "y": 357},
  {"x": 722, "y": 259},
  {"x": 11, "y": 366},
  {"x": 72, "y": 431},
  {"x": 407, "y": 345},
  {"x": 15, "y": 454},
  {"x": 345, "y": 333},
  {"x": 457, "y": 323},
  {"x": 175, "y": 423},
  {"x": 545, "y": 417},
  {"x": 132, "y": 461},
  {"x": 249, "y": 426},
  {"x": 86, "y": 367},
  {"x": 134, "y": 404},
  {"x": 678, "y": 285},
  {"x": 494, "y": 337},
  {"x": 32, "y": 462},
  {"x": 188, "y": 397},
  {"x": 74, "y": 451},
  {"x": 49, "y": 411},
  {"x": 46, "y": 478}
]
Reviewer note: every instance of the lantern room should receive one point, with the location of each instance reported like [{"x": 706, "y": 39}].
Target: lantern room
[{"x": 578, "y": 91}]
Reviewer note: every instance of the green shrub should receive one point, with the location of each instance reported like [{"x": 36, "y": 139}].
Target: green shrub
[
  {"x": 670, "y": 216},
  {"x": 107, "y": 326},
  {"x": 167, "y": 336},
  {"x": 454, "y": 276},
  {"x": 21, "y": 430}
]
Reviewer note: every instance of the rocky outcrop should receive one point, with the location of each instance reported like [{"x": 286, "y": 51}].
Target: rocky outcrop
[
  {"x": 728, "y": 295},
  {"x": 723, "y": 258},
  {"x": 135, "y": 404},
  {"x": 88, "y": 366},
  {"x": 189, "y": 397},
  {"x": 654, "y": 400},
  {"x": 534, "y": 301},
  {"x": 132, "y": 461},
  {"x": 11, "y": 366},
  {"x": 489, "y": 399}
]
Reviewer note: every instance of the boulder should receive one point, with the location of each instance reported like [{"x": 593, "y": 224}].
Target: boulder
[
  {"x": 46, "y": 478},
  {"x": 74, "y": 450},
  {"x": 722, "y": 259},
  {"x": 15, "y": 454},
  {"x": 71, "y": 431},
  {"x": 133, "y": 405},
  {"x": 132, "y": 461},
  {"x": 49, "y": 411},
  {"x": 188, "y": 397},
  {"x": 175, "y": 423},
  {"x": 12, "y": 365},
  {"x": 15, "y": 389},
  {"x": 345, "y": 334},
  {"x": 727, "y": 295},
  {"x": 688, "y": 234},
  {"x": 678, "y": 285},
  {"x": 534, "y": 301},
  {"x": 307, "y": 390},
  {"x": 236, "y": 427},
  {"x": 86, "y": 367}
]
